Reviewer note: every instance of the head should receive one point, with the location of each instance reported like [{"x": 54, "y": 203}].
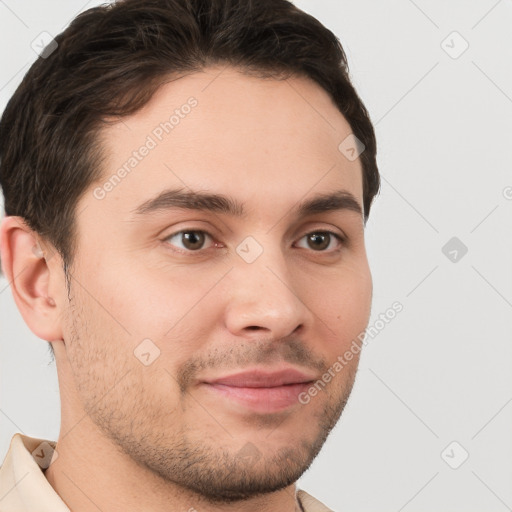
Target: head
[{"x": 183, "y": 168}]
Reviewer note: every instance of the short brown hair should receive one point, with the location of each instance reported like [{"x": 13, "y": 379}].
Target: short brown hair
[{"x": 112, "y": 59}]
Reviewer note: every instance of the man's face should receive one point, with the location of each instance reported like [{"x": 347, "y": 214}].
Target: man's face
[{"x": 192, "y": 333}]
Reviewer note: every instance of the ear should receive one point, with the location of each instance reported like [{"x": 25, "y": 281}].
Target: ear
[{"x": 25, "y": 261}]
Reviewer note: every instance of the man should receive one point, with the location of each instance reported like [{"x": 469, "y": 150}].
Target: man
[{"x": 186, "y": 188}]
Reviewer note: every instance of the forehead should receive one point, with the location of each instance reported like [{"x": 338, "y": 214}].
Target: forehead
[{"x": 222, "y": 131}]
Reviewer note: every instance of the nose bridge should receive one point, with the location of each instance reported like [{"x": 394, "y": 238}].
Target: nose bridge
[{"x": 262, "y": 293}]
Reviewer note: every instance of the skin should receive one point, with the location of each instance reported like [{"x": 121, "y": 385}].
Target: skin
[{"x": 127, "y": 427}]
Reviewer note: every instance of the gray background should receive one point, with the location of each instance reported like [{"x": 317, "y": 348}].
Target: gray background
[{"x": 440, "y": 371}]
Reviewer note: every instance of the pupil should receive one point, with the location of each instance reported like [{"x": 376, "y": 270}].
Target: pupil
[
  {"x": 191, "y": 239},
  {"x": 319, "y": 237}
]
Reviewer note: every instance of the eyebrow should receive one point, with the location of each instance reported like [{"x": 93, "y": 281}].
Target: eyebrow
[{"x": 219, "y": 203}]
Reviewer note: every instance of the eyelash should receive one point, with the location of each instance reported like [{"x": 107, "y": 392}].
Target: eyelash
[{"x": 342, "y": 240}]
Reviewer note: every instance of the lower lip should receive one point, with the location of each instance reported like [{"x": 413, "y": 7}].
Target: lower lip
[{"x": 263, "y": 400}]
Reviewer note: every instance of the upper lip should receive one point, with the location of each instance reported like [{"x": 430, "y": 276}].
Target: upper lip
[{"x": 263, "y": 379}]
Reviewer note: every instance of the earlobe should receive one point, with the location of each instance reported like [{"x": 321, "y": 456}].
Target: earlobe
[{"x": 25, "y": 265}]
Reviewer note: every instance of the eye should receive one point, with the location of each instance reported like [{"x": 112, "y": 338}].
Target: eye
[
  {"x": 320, "y": 240},
  {"x": 191, "y": 240}
]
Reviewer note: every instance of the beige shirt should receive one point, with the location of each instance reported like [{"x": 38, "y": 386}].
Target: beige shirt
[{"x": 24, "y": 487}]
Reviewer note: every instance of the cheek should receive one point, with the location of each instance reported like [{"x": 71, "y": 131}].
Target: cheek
[
  {"x": 109, "y": 359},
  {"x": 96, "y": 349},
  {"x": 345, "y": 309},
  {"x": 131, "y": 299},
  {"x": 127, "y": 302}
]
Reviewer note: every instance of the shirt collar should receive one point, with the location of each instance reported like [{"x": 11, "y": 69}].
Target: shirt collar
[{"x": 23, "y": 485}]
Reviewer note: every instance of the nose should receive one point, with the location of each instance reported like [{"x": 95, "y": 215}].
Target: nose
[{"x": 263, "y": 300}]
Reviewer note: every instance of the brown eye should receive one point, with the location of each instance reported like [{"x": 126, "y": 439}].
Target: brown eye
[
  {"x": 193, "y": 239},
  {"x": 320, "y": 240},
  {"x": 190, "y": 240}
]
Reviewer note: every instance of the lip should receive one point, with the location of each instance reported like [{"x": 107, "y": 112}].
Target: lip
[
  {"x": 263, "y": 379},
  {"x": 261, "y": 391}
]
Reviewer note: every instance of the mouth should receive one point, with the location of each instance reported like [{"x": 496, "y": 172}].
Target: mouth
[{"x": 261, "y": 391}]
